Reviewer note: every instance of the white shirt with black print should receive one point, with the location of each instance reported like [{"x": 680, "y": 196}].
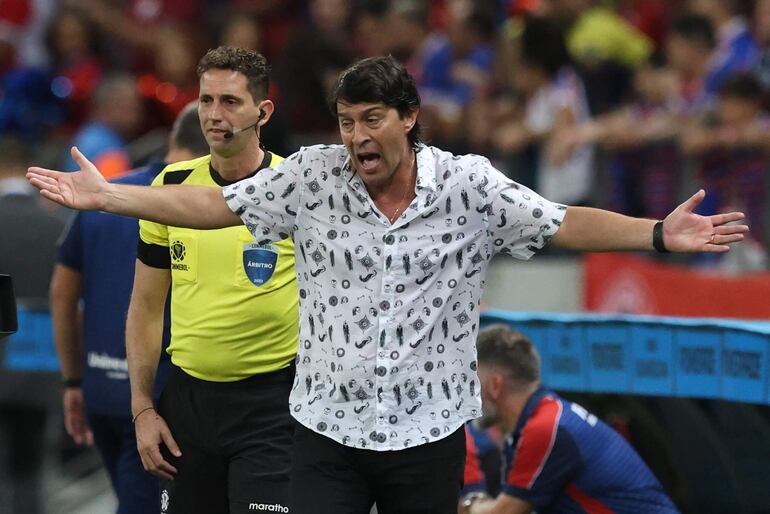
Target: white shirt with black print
[{"x": 390, "y": 313}]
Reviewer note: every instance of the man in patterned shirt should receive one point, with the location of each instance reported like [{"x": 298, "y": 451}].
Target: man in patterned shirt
[{"x": 392, "y": 241}]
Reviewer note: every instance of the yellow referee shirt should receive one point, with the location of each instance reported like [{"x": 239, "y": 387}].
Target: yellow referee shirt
[{"x": 234, "y": 304}]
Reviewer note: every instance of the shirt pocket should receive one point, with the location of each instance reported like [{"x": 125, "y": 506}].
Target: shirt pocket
[
  {"x": 184, "y": 258},
  {"x": 255, "y": 264}
]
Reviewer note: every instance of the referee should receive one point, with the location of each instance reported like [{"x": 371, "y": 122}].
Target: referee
[
  {"x": 91, "y": 271},
  {"x": 221, "y": 435}
]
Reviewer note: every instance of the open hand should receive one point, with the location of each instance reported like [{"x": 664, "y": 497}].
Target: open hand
[
  {"x": 85, "y": 189},
  {"x": 685, "y": 231}
]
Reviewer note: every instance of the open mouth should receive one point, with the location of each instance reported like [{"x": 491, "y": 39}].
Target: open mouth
[{"x": 368, "y": 160}]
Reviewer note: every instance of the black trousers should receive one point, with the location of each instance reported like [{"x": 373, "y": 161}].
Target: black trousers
[
  {"x": 330, "y": 478},
  {"x": 236, "y": 443}
]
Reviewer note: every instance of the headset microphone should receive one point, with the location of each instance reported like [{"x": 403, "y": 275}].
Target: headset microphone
[{"x": 232, "y": 133}]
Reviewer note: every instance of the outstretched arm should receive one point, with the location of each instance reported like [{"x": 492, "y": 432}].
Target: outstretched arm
[
  {"x": 180, "y": 206},
  {"x": 596, "y": 230}
]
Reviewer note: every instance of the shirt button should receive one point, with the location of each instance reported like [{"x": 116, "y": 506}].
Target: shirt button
[
  {"x": 384, "y": 305},
  {"x": 381, "y": 437}
]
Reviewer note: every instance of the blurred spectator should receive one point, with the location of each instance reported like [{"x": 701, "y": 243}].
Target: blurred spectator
[
  {"x": 605, "y": 47},
  {"x": 371, "y": 33},
  {"x": 762, "y": 34},
  {"x": 172, "y": 83},
  {"x": 28, "y": 107},
  {"x": 317, "y": 51},
  {"x": 22, "y": 28},
  {"x": 555, "y": 102},
  {"x": 735, "y": 47},
  {"x": 29, "y": 389},
  {"x": 276, "y": 18},
  {"x": 732, "y": 149},
  {"x": 136, "y": 21},
  {"x": 598, "y": 34},
  {"x": 689, "y": 51},
  {"x": 651, "y": 17},
  {"x": 240, "y": 30},
  {"x": 457, "y": 73},
  {"x": 413, "y": 42},
  {"x": 116, "y": 114},
  {"x": 644, "y": 169},
  {"x": 73, "y": 44}
]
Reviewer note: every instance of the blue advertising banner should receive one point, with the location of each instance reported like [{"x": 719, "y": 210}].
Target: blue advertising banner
[
  {"x": 686, "y": 357},
  {"x": 652, "y": 359},
  {"x": 697, "y": 361},
  {"x": 608, "y": 357},
  {"x": 566, "y": 366},
  {"x": 744, "y": 366}
]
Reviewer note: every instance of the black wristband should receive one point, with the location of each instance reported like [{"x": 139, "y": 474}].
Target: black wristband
[
  {"x": 72, "y": 383},
  {"x": 657, "y": 238}
]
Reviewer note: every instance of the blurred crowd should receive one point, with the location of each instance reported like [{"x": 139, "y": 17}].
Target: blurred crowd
[{"x": 628, "y": 104}]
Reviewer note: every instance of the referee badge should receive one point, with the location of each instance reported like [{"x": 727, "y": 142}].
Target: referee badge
[{"x": 259, "y": 262}]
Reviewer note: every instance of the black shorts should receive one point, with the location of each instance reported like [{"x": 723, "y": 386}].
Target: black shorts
[
  {"x": 236, "y": 443},
  {"x": 330, "y": 478}
]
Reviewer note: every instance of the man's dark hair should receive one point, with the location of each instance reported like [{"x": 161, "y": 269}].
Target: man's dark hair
[
  {"x": 252, "y": 64},
  {"x": 543, "y": 45},
  {"x": 742, "y": 86},
  {"x": 695, "y": 28},
  {"x": 379, "y": 79},
  {"x": 510, "y": 351},
  {"x": 186, "y": 132}
]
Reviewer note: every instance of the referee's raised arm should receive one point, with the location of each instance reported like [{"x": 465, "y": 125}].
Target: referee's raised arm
[{"x": 177, "y": 205}]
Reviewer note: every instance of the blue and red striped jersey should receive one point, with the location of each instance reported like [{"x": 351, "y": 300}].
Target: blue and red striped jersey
[
  {"x": 473, "y": 476},
  {"x": 561, "y": 458}
]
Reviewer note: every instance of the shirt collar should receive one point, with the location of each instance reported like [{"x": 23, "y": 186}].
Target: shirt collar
[
  {"x": 529, "y": 407},
  {"x": 221, "y": 181},
  {"x": 426, "y": 169}
]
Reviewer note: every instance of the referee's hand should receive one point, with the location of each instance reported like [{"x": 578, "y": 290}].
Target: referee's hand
[{"x": 152, "y": 431}]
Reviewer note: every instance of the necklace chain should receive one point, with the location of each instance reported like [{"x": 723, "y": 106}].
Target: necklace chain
[
  {"x": 394, "y": 216},
  {"x": 401, "y": 205}
]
